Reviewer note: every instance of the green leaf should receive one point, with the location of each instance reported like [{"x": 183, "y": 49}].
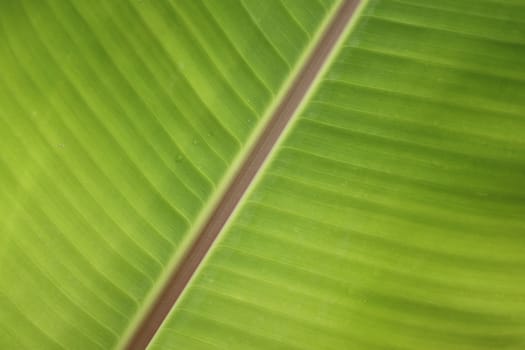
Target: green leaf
[
  {"x": 120, "y": 124},
  {"x": 392, "y": 216}
]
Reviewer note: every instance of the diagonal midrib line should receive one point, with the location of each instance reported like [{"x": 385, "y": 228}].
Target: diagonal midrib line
[{"x": 244, "y": 176}]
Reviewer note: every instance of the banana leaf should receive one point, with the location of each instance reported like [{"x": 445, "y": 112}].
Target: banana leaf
[
  {"x": 120, "y": 124},
  {"x": 392, "y": 215}
]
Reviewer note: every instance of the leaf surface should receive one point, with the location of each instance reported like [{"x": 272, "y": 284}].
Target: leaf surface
[
  {"x": 120, "y": 123},
  {"x": 392, "y": 216}
]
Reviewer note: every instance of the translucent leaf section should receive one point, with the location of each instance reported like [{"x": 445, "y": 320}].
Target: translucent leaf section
[
  {"x": 119, "y": 121},
  {"x": 392, "y": 216}
]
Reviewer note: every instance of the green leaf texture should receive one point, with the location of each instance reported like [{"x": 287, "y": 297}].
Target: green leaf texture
[
  {"x": 120, "y": 122},
  {"x": 392, "y": 216}
]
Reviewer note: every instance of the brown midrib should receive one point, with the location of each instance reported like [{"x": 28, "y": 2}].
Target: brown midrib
[{"x": 244, "y": 176}]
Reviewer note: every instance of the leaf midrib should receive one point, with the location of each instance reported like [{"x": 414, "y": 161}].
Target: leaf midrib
[{"x": 244, "y": 170}]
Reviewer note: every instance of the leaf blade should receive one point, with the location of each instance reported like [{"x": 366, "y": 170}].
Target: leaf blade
[
  {"x": 391, "y": 216},
  {"x": 120, "y": 123}
]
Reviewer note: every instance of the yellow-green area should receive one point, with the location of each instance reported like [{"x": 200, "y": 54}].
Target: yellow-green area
[
  {"x": 392, "y": 216},
  {"x": 120, "y": 122}
]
